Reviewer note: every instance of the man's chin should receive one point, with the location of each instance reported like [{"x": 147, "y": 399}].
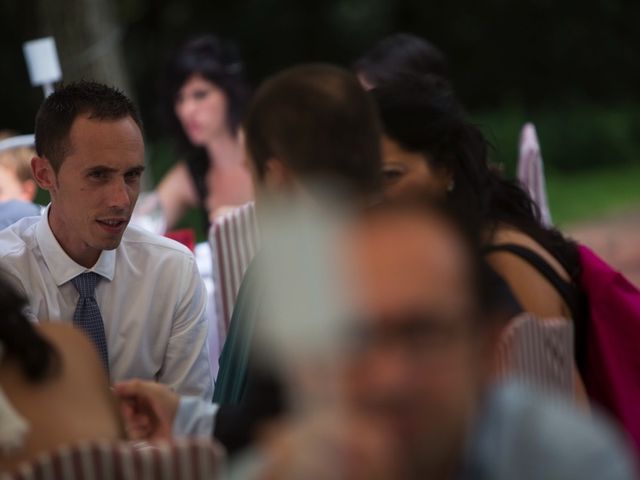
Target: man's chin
[{"x": 110, "y": 242}]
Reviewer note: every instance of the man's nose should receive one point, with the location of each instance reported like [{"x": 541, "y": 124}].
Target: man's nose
[
  {"x": 120, "y": 195},
  {"x": 391, "y": 368}
]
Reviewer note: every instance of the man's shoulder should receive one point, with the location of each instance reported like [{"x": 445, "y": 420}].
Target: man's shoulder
[
  {"x": 17, "y": 239},
  {"x": 138, "y": 238},
  {"x": 528, "y": 428}
]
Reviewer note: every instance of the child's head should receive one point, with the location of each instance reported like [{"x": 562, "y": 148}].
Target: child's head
[{"x": 16, "y": 182}]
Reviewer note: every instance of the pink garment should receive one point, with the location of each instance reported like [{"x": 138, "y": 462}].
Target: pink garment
[
  {"x": 613, "y": 342},
  {"x": 531, "y": 171}
]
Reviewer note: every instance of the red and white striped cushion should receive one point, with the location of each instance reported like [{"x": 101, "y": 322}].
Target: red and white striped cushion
[
  {"x": 103, "y": 460},
  {"x": 539, "y": 353},
  {"x": 234, "y": 240}
]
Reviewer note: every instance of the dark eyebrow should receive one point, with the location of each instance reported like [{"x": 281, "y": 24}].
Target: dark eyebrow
[
  {"x": 104, "y": 168},
  {"x": 138, "y": 169},
  {"x": 100, "y": 168}
]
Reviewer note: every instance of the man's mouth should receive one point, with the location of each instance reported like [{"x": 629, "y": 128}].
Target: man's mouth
[{"x": 113, "y": 224}]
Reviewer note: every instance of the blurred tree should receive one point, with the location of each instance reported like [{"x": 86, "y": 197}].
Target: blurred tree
[
  {"x": 546, "y": 60},
  {"x": 88, "y": 38}
]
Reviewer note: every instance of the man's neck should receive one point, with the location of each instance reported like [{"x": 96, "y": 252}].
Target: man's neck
[{"x": 79, "y": 253}]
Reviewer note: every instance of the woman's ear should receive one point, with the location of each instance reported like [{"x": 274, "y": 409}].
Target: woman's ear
[
  {"x": 445, "y": 180},
  {"x": 277, "y": 175}
]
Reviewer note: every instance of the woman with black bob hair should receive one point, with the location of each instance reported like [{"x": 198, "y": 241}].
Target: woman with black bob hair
[
  {"x": 53, "y": 388},
  {"x": 206, "y": 94},
  {"x": 428, "y": 144}
]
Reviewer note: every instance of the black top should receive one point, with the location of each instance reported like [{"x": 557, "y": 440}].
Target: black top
[{"x": 571, "y": 294}]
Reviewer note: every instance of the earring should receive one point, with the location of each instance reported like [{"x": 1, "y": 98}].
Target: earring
[{"x": 451, "y": 186}]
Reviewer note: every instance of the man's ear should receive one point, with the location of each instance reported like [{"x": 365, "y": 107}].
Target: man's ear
[
  {"x": 277, "y": 176},
  {"x": 43, "y": 173}
]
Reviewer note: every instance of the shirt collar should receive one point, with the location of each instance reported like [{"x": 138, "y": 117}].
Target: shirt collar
[{"x": 61, "y": 266}]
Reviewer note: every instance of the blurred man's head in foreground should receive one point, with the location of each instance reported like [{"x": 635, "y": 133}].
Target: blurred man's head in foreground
[
  {"x": 422, "y": 348},
  {"x": 411, "y": 347}
]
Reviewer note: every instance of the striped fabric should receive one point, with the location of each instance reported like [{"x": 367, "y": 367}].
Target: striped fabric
[
  {"x": 531, "y": 171},
  {"x": 234, "y": 240},
  {"x": 538, "y": 352},
  {"x": 178, "y": 460}
]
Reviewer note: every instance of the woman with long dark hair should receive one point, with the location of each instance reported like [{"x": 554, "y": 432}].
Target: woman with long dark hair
[
  {"x": 428, "y": 144},
  {"x": 207, "y": 93}
]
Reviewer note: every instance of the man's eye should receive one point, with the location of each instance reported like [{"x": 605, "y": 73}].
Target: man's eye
[
  {"x": 133, "y": 176},
  {"x": 97, "y": 175}
]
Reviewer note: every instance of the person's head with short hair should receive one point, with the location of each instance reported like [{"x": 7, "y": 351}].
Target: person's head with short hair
[
  {"x": 16, "y": 182},
  {"x": 422, "y": 348},
  {"x": 90, "y": 157},
  {"x": 207, "y": 89},
  {"x": 400, "y": 53},
  {"x": 313, "y": 123}
]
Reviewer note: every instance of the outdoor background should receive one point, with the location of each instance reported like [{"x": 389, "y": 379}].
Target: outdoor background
[{"x": 570, "y": 66}]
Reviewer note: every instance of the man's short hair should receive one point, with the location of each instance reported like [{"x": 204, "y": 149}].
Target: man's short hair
[
  {"x": 61, "y": 108},
  {"x": 319, "y": 122}
]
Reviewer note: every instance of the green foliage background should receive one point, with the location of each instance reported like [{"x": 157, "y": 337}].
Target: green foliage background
[{"x": 569, "y": 66}]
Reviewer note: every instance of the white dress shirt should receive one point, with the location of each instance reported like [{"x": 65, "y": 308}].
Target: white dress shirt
[{"x": 150, "y": 295}]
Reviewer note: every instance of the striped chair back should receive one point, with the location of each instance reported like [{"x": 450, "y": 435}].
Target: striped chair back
[
  {"x": 234, "y": 240},
  {"x": 178, "y": 460},
  {"x": 539, "y": 353},
  {"x": 530, "y": 171}
]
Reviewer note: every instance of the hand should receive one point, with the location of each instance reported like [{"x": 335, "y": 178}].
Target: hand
[{"x": 148, "y": 409}]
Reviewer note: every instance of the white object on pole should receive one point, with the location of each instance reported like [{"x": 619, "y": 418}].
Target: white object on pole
[
  {"x": 17, "y": 142},
  {"x": 42, "y": 62},
  {"x": 531, "y": 171}
]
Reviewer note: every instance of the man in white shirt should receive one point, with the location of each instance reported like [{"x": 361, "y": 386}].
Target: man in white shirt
[{"x": 137, "y": 296}]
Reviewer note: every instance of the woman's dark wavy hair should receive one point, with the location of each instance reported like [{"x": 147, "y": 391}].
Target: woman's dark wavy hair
[
  {"x": 422, "y": 115},
  {"x": 20, "y": 342},
  {"x": 401, "y": 53},
  {"x": 218, "y": 61}
]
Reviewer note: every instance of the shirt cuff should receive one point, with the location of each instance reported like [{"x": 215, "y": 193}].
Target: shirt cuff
[{"x": 195, "y": 418}]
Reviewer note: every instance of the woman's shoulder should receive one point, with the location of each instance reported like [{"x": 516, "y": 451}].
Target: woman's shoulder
[
  {"x": 507, "y": 235},
  {"x": 75, "y": 348},
  {"x": 64, "y": 336},
  {"x": 530, "y": 286}
]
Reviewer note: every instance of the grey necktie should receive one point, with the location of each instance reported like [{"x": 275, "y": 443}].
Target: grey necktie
[{"x": 87, "y": 315}]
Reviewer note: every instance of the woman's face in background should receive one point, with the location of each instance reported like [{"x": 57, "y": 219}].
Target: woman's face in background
[
  {"x": 404, "y": 171},
  {"x": 201, "y": 108}
]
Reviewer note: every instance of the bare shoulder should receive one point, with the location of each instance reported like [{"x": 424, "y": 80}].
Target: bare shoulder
[
  {"x": 177, "y": 181},
  {"x": 511, "y": 235},
  {"x": 534, "y": 292},
  {"x": 63, "y": 334},
  {"x": 73, "y": 346}
]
